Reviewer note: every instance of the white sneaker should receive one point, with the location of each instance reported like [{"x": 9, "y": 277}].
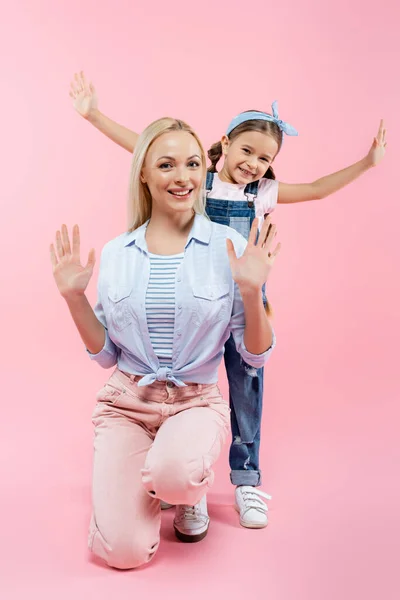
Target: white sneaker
[
  {"x": 191, "y": 522},
  {"x": 165, "y": 505},
  {"x": 253, "y": 511}
]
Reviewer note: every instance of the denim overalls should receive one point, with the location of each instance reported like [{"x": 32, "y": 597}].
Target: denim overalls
[{"x": 245, "y": 382}]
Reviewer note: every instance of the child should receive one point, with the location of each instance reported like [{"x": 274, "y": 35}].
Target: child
[{"x": 245, "y": 188}]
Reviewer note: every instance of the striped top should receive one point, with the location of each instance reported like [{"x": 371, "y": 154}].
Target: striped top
[
  {"x": 160, "y": 305},
  {"x": 209, "y": 307}
]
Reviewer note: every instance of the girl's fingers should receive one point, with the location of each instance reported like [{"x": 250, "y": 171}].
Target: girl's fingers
[
  {"x": 76, "y": 242},
  {"x": 83, "y": 80},
  {"x": 65, "y": 239},
  {"x": 53, "y": 256},
  {"x": 73, "y": 89},
  {"x": 380, "y": 130},
  {"x": 59, "y": 246},
  {"x": 78, "y": 82}
]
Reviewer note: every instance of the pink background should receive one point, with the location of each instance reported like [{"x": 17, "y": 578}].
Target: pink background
[{"x": 330, "y": 449}]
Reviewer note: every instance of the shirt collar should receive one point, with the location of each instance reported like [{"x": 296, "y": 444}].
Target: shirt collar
[{"x": 201, "y": 231}]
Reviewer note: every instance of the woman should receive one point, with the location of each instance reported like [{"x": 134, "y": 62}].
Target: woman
[{"x": 171, "y": 291}]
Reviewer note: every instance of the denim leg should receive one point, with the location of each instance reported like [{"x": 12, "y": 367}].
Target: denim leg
[{"x": 245, "y": 399}]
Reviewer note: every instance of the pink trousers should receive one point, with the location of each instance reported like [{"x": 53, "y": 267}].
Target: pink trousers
[{"x": 151, "y": 443}]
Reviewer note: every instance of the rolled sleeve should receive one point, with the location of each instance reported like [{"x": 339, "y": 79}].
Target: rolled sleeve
[
  {"x": 254, "y": 360},
  {"x": 108, "y": 355}
]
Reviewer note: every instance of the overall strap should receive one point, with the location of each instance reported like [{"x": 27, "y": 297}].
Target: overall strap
[
  {"x": 251, "y": 191},
  {"x": 209, "y": 181}
]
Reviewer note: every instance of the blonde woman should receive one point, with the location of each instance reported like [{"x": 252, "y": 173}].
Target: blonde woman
[{"x": 171, "y": 290}]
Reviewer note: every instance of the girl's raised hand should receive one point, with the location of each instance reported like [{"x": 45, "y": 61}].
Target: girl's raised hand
[
  {"x": 71, "y": 277},
  {"x": 84, "y": 95},
  {"x": 378, "y": 148},
  {"x": 252, "y": 269}
]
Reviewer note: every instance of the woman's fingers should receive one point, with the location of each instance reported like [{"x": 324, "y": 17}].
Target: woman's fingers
[
  {"x": 272, "y": 231},
  {"x": 59, "y": 246},
  {"x": 262, "y": 234},
  {"x": 65, "y": 239},
  {"x": 76, "y": 242},
  {"x": 253, "y": 232},
  {"x": 91, "y": 260},
  {"x": 267, "y": 234},
  {"x": 274, "y": 254},
  {"x": 231, "y": 252},
  {"x": 53, "y": 256}
]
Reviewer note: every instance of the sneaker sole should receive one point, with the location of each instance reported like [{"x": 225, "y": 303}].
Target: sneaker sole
[
  {"x": 248, "y": 524},
  {"x": 190, "y": 539}
]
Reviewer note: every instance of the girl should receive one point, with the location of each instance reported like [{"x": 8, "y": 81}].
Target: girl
[
  {"x": 245, "y": 188},
  {"x": 160, "y": 420}
]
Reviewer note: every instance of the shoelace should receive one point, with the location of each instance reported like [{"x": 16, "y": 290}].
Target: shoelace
[
  {"x": 188, "y": 513},
  {"x": 252, "y": 499}
]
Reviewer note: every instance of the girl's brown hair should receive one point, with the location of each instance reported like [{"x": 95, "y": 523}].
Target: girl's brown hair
[{"x": 267, "y": 127}]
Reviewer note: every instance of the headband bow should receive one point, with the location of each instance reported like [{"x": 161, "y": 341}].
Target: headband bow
[{"x": 261, "y": 116}]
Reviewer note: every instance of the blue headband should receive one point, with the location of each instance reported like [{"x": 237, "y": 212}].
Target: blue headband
[{"x": 261, "y": 116}]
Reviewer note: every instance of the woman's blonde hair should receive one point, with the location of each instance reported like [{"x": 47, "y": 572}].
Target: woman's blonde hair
[{"x": 139, "y": 200}]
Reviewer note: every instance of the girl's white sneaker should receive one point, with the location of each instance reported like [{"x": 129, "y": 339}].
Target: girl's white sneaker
[{"x": 252, "y": 509}]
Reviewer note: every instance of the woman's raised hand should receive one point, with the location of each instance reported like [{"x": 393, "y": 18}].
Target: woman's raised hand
[
  {"x": 71, "y": 276},
  {"x": 252, "y": 269}
]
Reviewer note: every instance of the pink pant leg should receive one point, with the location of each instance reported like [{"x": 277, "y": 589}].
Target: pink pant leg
[
  {"x": 125, "y": 525},
  {"x": 178, "y": 467}
]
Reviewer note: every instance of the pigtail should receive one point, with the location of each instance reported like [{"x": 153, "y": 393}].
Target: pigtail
[
  {"x": 268, "y": 310},
  {"x": 269, "y": 174},
  {"x": 214, "y": 154}
]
